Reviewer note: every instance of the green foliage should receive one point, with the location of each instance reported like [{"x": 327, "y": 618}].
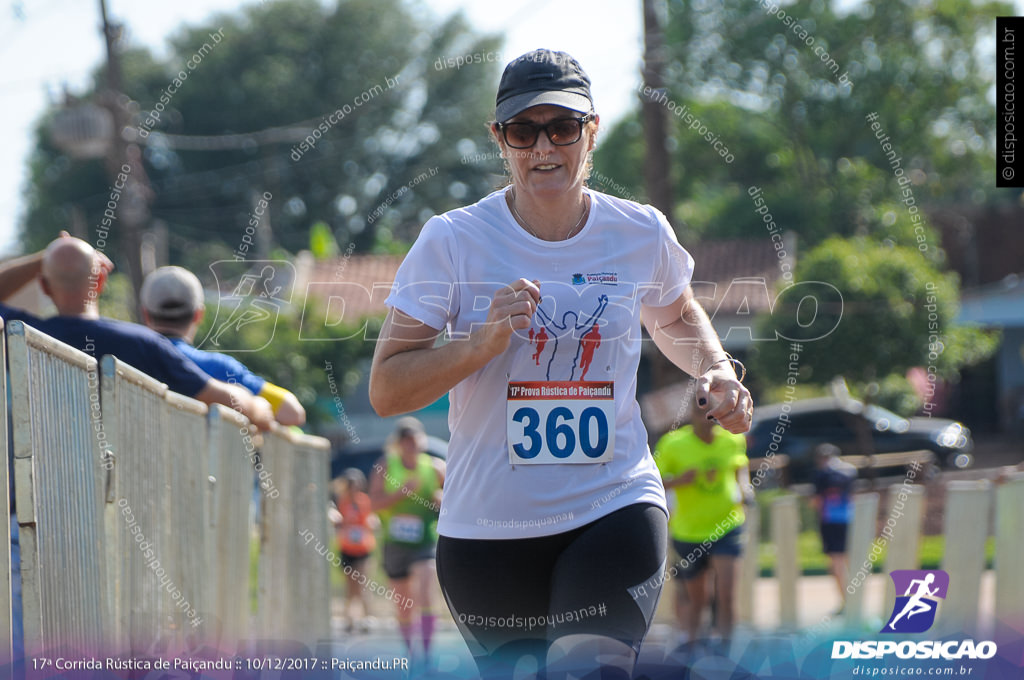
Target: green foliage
[
  {"x": 774, "y": 394},
  {"x": 896, "y": 311},
  {"x": 788, "y": 95},
  {"x": 291, "y": 63},
  {"x": 116, "y": 299},
  {"x": 288, "y": 64},
  {"x": 387, "y": 244},
  {"x": 300, "y": 351},
  {"x": 897, "y": 394},
  {"x": 321, "y": 242}
]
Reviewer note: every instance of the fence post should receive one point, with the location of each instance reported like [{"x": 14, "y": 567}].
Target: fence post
[
  {"x": 232, "y": 451},
  {"x": 297, "y": 550},
  {"x": 1009, "y": 557},
  {"x": 965, "y": 531},
  {"x": 904, "y": 546},
  {"x": 749, "y": 569},
  {"x": 59, "y": 495},
  {"x": 275, "y": 577},
  {"x": 862, "y": 534},
  {"x": 6, "y": 629},
  {"x": 785, "y": 522},
  {"x": 190, "y": 539},
  {"x": 142, "y": 559},
  {"x": 311, "y": 497}
]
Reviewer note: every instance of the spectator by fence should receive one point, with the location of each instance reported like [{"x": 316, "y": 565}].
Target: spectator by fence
[{"x": 133, "y": 504}]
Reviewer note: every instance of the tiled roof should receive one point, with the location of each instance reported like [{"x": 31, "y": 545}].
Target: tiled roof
[
  {"x": 724, "y": 262},
  {"x": 363, "y": 281}
]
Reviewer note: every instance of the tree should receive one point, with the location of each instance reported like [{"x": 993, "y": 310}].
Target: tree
[
  {"x": 770, "y": 103},
  {"x": 896, "y": 311},
  {"x": 305, "y": 354},
  {"x": 264, "y": 72},
  {"x": 786, "y": 90}
]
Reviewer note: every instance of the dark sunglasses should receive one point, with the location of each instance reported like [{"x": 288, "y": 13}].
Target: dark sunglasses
[{"x": 561, "y": 132}]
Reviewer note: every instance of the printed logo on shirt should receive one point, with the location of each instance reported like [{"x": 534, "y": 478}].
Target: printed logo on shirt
[
  {"x": 580, "y": 336},
  {"x": 603, "y": 278}
]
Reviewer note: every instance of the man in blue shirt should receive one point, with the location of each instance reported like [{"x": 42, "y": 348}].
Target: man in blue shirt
[
  {"x": 172, "y": 304},
  {"x": 73, "y": 274},
  {"x": 833, "y": 482}
]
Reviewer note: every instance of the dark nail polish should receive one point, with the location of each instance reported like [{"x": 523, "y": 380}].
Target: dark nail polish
[
  {"x": 710, "y": 417},
  {"x": 702, "y": 402}
]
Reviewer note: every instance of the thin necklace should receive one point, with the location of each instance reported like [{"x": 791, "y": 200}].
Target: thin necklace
[{"x": 530, "y": 229}]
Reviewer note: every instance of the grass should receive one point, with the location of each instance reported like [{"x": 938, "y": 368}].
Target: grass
[{"x": 813, "y": 562}]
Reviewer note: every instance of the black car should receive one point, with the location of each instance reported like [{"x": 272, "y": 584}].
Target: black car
[{"x": 797, "y": 428}]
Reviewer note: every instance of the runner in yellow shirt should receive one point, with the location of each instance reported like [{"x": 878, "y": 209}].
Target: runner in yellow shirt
[{"x": 706, "y": 466}]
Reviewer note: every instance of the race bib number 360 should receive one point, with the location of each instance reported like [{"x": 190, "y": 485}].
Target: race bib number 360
[{"x": 553, "y": 422}]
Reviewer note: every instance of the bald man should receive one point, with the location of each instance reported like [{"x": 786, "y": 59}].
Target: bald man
[{"x": 73, "y": 275}]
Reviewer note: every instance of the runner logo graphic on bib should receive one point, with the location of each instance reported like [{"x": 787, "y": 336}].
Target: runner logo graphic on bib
[{"x": 558, "y": 422}]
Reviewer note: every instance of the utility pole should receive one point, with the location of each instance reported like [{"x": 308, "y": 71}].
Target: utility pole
[
  {"x": 655, "y": 114},
  {"x": 124, "y": 158}
]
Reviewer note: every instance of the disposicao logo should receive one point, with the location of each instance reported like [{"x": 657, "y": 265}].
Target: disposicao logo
[{"x": 914, "y": 610}]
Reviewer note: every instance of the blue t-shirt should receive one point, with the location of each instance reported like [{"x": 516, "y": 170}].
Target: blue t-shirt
[
  {"x": 142, "y": 348},
  {"x": 221, "y": 366},
  {"x": 833, "y": 484},
  {"x": 15, "y": 314}
]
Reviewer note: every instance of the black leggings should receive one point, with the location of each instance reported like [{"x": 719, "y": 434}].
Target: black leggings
[{"x": 511, "y": 598}]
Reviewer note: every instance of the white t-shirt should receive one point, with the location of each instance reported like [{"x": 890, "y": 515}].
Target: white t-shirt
[{"x": 586, "y": 330}]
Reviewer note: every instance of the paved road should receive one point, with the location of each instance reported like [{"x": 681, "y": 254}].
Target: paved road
[{"x": 816, "y": 596}]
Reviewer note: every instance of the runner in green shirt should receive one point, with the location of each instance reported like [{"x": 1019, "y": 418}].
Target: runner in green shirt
[
  {"x": 405, "y": 491},
  {"x": 706, "y": 466}
]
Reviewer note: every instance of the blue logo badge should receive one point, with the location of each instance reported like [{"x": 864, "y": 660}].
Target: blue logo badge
[{"x": 914, "y": 610}]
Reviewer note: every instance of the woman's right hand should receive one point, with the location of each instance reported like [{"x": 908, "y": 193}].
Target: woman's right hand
[{"x": 512, "y": 309}]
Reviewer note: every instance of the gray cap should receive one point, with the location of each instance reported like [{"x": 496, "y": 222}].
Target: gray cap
[
  {"x": 171, "y": 294},
  {"x": 542, "y": 77},
  {"x": 408, "y": 426}
]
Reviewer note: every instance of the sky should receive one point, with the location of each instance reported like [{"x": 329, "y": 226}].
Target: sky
[{"x": 50, "y": 44}]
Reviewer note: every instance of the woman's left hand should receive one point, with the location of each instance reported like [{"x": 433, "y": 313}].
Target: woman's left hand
[{"x": 725, "y": 399}]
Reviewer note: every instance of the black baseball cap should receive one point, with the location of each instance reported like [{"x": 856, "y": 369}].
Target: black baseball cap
[{"x": 542, "y": 77}]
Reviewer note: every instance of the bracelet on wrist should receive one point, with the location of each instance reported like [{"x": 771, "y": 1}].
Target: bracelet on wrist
[{"x": 740, "y": 374}]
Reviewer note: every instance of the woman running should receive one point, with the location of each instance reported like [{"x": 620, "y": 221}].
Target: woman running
[
  {"x": 354, "y": 524},
  {"x": 553, "y": 528}
]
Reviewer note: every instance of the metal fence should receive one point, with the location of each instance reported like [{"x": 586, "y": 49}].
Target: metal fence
[
  {"x": 135, "y": 509},
  {"x": 156, "y": 521}
]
